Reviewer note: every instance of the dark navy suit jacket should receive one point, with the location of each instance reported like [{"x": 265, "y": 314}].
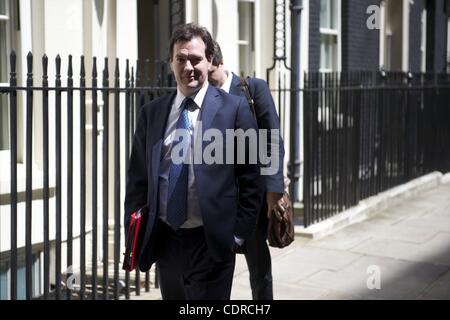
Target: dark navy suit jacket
[
  {"x": 267, "y": 118},
  {"x": 229, "y": 195}
]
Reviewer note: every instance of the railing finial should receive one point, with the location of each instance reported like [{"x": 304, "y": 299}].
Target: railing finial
[
  {"x": 12, "y": 62},
  {"x": 29, "y": 64},
  {"x": 105, "y": 71},
  {"x": 58, "y": 67},
  {"x": 70, "y": 70},
  {"x": 94, "y": 67},
  {"x": 44, "y": 66},
  {"x": 82, "y": 68}
]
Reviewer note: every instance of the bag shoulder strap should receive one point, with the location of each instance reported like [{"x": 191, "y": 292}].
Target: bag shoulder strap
[{"x": 245, "y": 88}]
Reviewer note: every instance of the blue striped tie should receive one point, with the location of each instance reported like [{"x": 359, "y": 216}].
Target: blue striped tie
[{"x": 178, "y": 176}]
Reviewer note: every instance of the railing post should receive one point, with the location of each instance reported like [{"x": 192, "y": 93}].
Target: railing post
[
  {"x": 29, "y": 179},
  {"x": 58, "y": 185},
  {"x": 94, "y": 179},
  {"x": 46, "y": 178},
  {"x": 82, "y": 179},
  {"x": 128, "y": 95},
  {"x": 116, "y": 181},
  {"x": 70, "y": 268},
  {"x": 13, "y": 156},
  {"x": 105, "y": 156},
  {"x": 307, "y": 125}
]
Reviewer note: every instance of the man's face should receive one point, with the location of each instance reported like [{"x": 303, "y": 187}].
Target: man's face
[
  {"x": 190, "y": 65},
  {"x": 215, "y": 75}
]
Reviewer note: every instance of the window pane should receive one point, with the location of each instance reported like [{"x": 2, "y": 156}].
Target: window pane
[
  {"x": 328, "y": 14},
  {"x": 21, "y": 282},
  {"x": 36, "y": 276},
  {"x": 324, "y": 22},
  {"x": 2, "y": 7},
  {"x": 333, "y": 14},
  {"x": 328, "y": 52},
  {"x": 4, "y": 292},
  {"x": 246, "y": 38}
]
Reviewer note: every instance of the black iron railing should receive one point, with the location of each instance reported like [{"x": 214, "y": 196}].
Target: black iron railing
[
  {"x": 76, "y": 237},
  {"x": 366, "y": 132}
]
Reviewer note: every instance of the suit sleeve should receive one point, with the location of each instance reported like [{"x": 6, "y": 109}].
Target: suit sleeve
[
  {"x": 136, "y": 180},
  {"x": 249, "y": 180},
  {"x": 267, "y": 118}
]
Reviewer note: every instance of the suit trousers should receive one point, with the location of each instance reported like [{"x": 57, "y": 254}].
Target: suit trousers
[
  {"x": 258, "y": 259},
  {"x": 185, "y": 268}
]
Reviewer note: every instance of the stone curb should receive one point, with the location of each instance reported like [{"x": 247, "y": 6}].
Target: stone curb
[{"x": 370, "y": 206}]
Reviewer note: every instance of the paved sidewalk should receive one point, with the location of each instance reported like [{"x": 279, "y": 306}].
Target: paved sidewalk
[{"x": 408, "y": 244}]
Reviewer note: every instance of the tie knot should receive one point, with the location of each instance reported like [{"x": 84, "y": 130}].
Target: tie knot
[{"x": 188, "y": 104}]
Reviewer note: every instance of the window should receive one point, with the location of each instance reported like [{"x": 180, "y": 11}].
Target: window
[
  {"x": 393, "y": 36},
  {"x": 5, "y": 278},
  {"x": 5, "y": 48},
  {"x": 329, "y": 35},
  {"x": 246, "y": 11},
  {"x": 388, "y": 47}
]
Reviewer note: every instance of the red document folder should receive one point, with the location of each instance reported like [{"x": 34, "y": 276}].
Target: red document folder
[{"x": 136, "y": 231}]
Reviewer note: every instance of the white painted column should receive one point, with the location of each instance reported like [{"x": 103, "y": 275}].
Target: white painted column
[
  {"x": 205, "y": 14},
  {"x": 405, "y": 35}
]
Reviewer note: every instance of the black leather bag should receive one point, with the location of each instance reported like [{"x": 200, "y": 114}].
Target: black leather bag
[
  {"x": 136, "y": 232},
  {"x": 280, "y": 231}
]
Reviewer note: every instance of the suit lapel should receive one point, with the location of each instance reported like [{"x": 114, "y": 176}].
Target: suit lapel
[
  {"x": 159, "y": 127},
  {"x": 210, "y": 106},
  {"x": 235, "y": 87}
]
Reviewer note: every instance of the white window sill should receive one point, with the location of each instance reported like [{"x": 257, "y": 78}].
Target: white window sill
[
  {"x": 333, "y": 32},
  {"x": 37, "y": 183}
]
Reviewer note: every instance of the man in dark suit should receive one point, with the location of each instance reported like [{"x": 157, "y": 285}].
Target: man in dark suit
[
  {"x": 257, "y": 252},
  {"x": 199, "y": 214}
]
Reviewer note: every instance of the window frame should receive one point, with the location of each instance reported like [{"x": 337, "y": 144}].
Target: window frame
[
  {"x": 36, "y": 273},
  {"x": 251, "y": 44},
  {"x": 388, "y": 31},
  {"x": 336, "y": 33}
]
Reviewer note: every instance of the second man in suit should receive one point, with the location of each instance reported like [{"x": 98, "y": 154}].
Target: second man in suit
[{"x": 257, "y": 251}]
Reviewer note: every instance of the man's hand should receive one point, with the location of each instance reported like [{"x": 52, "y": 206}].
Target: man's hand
[{"x": 275, "y": 204}]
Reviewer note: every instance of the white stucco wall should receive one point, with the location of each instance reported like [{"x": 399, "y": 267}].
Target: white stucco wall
[{"x": 68, "y": 27}]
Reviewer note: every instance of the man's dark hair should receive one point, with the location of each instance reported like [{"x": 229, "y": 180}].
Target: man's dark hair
[
  {"x": 217, "y": 57},
  {"x": 186, "y": 32}
]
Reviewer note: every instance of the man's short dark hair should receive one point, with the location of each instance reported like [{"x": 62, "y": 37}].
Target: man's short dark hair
[
  {"x": 186, "y": 32},
  {"x": 217, "y": 57}
]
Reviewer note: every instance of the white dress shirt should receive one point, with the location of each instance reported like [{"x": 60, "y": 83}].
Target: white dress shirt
[
  {"x": 227, "y": 84},
  {"x": 194, "y": 217}
]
